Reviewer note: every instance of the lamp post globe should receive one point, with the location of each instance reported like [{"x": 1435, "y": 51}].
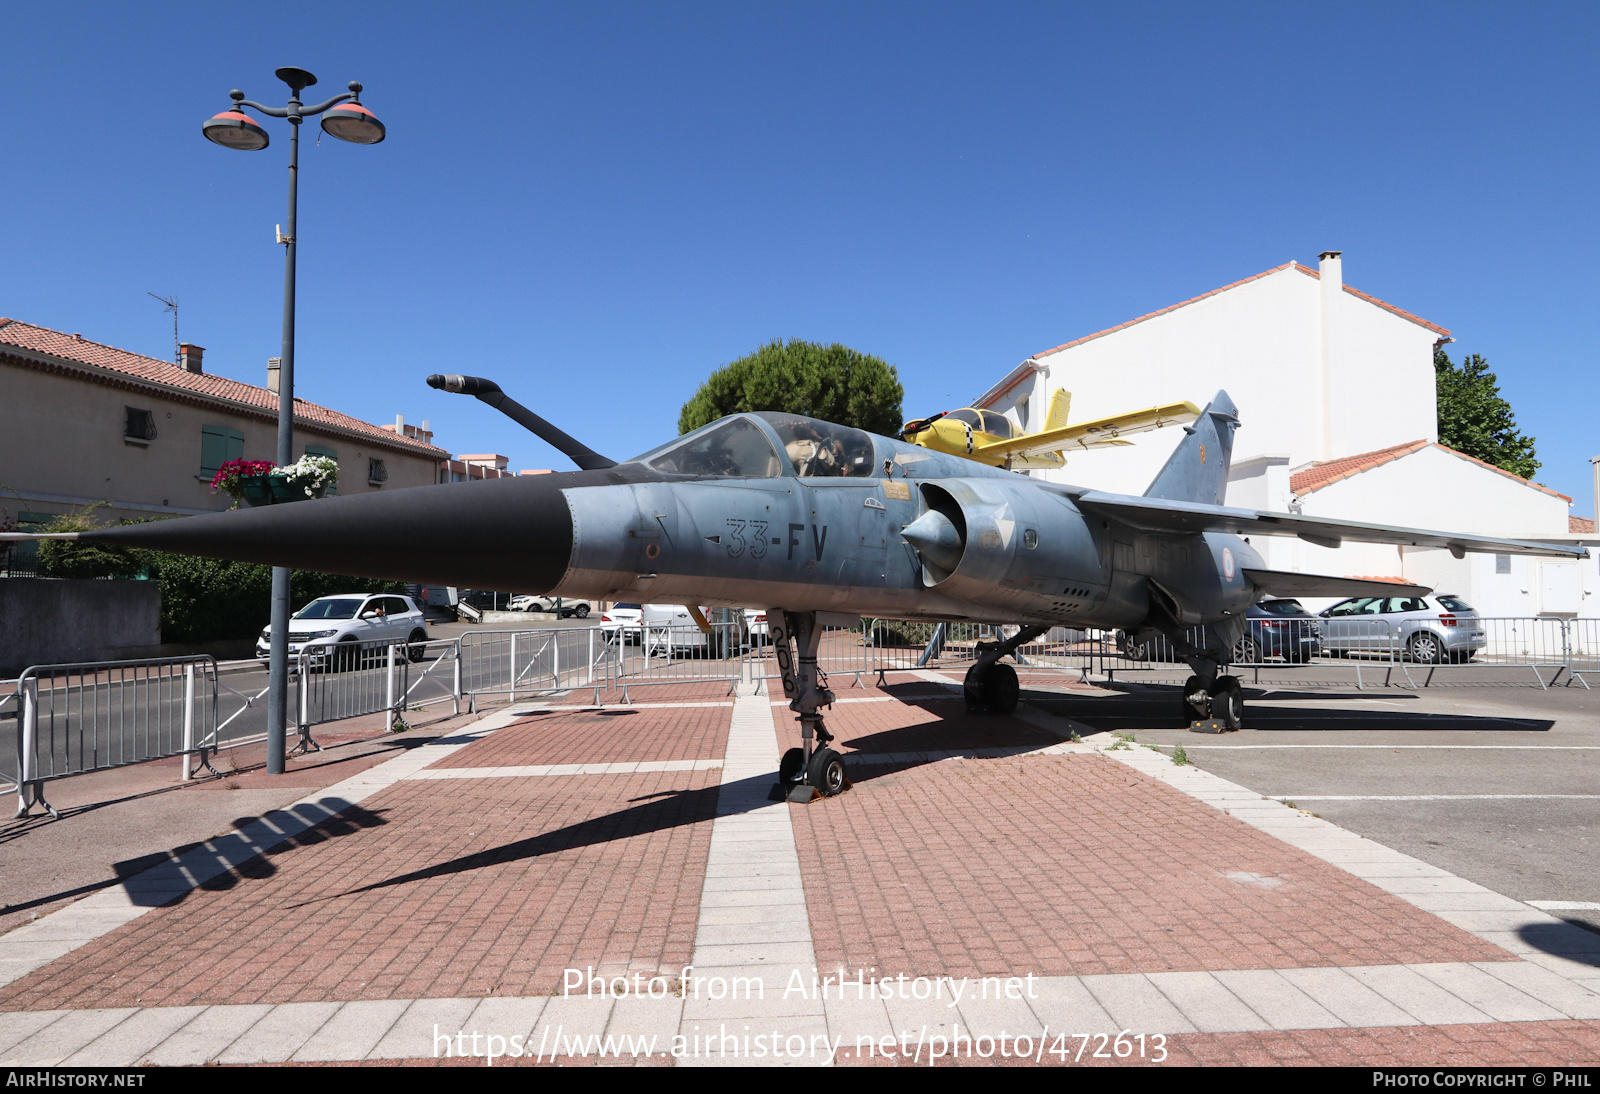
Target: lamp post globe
[
  {"x": 353, "y": 122},
  {"x": 234, "y": 129}
]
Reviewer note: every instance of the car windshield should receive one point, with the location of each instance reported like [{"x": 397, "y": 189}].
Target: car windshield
[
  {"x": 1282, "y": 607},
  {"x": 1455, "y": 604},
  {"x": 329, "y": 608},
  {"x": 735, "y": 448},
  {"x": 625, "y": 607}
]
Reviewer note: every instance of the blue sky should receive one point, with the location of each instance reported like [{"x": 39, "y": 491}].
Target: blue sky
[{"x": 597, "y": 205}]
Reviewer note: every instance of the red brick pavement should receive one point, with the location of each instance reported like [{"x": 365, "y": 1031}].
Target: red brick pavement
[
  {"x": 1076, "y": 864},
  {"x": 431, "y": 889},
  {"x": 613, "y": 735},
  {"x": 1489, "y": 1044}
]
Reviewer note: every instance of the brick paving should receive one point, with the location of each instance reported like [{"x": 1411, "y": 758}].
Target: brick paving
[
  {"x": 1075, "y": 865},
  {"x": 613, "y": 735},
  {"x": 429, "y": 890},
  {"x": 1561, "y": 1044}
]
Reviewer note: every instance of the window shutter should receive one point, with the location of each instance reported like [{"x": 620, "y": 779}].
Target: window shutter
[{"x": 213, "y": 449}]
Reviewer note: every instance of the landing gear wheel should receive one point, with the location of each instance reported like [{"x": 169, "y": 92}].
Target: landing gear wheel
[
  {"x": 790, "y": 765},
  {"x": 827, "y": 773},
  {"x": 1227, "y": 702},
  {"x": 1196, "y": 702},
  {"x": 1000, "y": 689}
]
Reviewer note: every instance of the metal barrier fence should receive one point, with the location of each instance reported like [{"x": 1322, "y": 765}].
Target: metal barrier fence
[{"x": 72, "y": 719}]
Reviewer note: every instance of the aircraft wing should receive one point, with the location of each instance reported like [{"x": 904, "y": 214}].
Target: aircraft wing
[
  {"x": 1284, "y": 583},
  {"x": 1159, "y": 515},
  {"x": 1096, "y": 432}
]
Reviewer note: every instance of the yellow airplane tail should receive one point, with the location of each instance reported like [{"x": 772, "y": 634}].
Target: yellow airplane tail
[{"x": 1060, "y": 404}]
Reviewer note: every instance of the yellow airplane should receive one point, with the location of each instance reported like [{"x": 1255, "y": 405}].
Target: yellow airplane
[{"x": 990, "y": 438}]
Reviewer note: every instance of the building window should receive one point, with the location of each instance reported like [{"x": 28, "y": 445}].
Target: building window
[
  {"x": 323, "y": 450},
  {"x": 1502, "y": 564},
  {"x": 376, "y": 473},
  {"x": 218, "y": 445},
  {"x": 140, "y": 425}
]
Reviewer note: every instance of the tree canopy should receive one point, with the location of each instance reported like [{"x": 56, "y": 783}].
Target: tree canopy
[
  {"x": 834, "y": 383},
  {"x": 1475, "y": 419}
]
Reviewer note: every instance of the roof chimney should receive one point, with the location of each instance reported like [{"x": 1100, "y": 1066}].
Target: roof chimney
[
  {"x": 274, "y": 368},
  {"x": 189, "y": 357}
]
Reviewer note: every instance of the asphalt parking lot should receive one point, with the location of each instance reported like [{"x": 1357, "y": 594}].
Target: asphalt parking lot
[{"x": 1499, "y": 785}]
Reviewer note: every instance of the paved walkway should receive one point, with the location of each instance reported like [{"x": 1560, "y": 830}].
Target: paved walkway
[{"x": 560, "y": 883}]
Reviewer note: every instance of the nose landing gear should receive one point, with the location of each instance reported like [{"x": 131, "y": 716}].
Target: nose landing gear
[{"x": 813, "y": 770}]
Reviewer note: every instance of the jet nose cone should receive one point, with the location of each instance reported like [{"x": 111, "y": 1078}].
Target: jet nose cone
[{"x": 936, "y": 539}]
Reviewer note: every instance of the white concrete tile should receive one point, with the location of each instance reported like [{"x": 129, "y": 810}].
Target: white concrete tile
[
  {"x": 353, "y": 1030},
  {"x": 1549, "y": 988},
  {"x": 1491, "y": 995},
  {"x": 207, "y": 1035},
  {"x": 1206, "y": 1002},
  {"x": 19, "y": 1025},
  {"x": 1134, "y": 1003},
  {"x": 1064, "y": 1003},
  {"x": 279, "y": 1034},
  {"x": 427, "y": 1028},
  {"x": 129, "y": 1043},
  {"x": 1418, "y": 996},
  {"x": 1347, "y": 998},
  {"x": 66, "y": 1035},
  {"x": 1278, "y": 1000}
]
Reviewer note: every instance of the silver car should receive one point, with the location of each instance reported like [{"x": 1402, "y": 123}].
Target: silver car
[{"x": 1426, "y": 629}]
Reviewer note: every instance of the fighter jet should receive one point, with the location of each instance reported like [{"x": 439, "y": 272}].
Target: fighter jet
[
  {"x": 988, "y": 437},
  {"x": 821, "y": 523}
]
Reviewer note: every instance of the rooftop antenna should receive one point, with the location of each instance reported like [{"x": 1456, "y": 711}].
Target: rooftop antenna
[{"x": 171, "y": 306}]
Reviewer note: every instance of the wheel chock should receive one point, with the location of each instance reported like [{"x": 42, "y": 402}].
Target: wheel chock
[
  {"x": 1208, "y": 725},
  {"x": 804, "y": 793}
]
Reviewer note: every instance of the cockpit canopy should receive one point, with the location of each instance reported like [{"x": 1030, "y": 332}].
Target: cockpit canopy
[{"x": 767, "y": 444}]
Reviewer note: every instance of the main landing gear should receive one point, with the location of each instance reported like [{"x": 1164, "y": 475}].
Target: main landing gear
[
  {"x": 991, "y": 686},
  {"x": 813, "y": 770},
  {"x": 1214, "y": 705}
]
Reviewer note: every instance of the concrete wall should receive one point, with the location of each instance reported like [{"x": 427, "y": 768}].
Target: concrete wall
[{"x": 48, "y": 621}]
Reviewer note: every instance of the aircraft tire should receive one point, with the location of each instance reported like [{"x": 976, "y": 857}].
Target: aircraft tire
[
  {"x": 1227, "y": 701},
  {"x": 790, "y": 765},
  {"x": 827, "y": 773},
  {"x": 1000, "y": 689},
  {"x": 1192, "y": 713}
]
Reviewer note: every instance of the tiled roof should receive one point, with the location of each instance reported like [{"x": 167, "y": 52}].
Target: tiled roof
[
  {"x": 1579, "y": 524},
  {"x": 1316, "y": 476},
  {"x": 148, "y": 372},
  {"x": 1022, "y": 371},
  {"x": 1379, "y": 577}
]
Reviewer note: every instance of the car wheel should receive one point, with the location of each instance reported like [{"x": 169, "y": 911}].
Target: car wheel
[
  {"x": 345, "y": 656},
  {"x": 415, "y": 651},
  {"x": 1425, "y": 648},
  {"x": 1246, "y": 652},
  {"x": 582, "y": 611}
]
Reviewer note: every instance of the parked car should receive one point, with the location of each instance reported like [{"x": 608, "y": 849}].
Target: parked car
[
  {"x": 623, "y": 622},
  {"x": 566, "y": 607},
  {"x": 1427, "y": 629},
  {"x": 348, "y": 619},
  {"x": 1278, "y": 628},
  {"x": 669, "y": 628},
  {"x": 755, "y": 625}
]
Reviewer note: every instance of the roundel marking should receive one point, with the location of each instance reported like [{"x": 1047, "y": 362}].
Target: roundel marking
[
  {"x": 654, "y": 550},
  {"x": 1227, "y": 564}
]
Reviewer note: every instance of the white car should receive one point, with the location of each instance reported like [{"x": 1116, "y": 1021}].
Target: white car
[
  {"x": 568, "y": 606},
  {"x": 349, "y": 619},
  {"x": 755, "y": 625},
  {"x": 624, "y": 622}
]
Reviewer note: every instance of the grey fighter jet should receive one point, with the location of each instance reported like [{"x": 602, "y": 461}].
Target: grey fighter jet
[{"x": 810, "y": 520}]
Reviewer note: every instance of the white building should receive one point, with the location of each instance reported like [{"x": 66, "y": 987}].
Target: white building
[{"x": 1335, "y": 390}]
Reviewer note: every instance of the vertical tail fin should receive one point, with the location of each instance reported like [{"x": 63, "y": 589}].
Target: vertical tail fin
[
  {"x": 1197, "y": 470},
  {"x": 1060, "y": 404}
]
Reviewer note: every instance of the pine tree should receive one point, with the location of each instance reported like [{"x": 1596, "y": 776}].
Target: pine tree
[
  {"x": 1474, "y": 419},
  {"x": 834, "y": 383}
]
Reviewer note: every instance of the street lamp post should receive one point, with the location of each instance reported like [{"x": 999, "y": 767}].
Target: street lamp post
[{"x": 348, "y": 120}]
